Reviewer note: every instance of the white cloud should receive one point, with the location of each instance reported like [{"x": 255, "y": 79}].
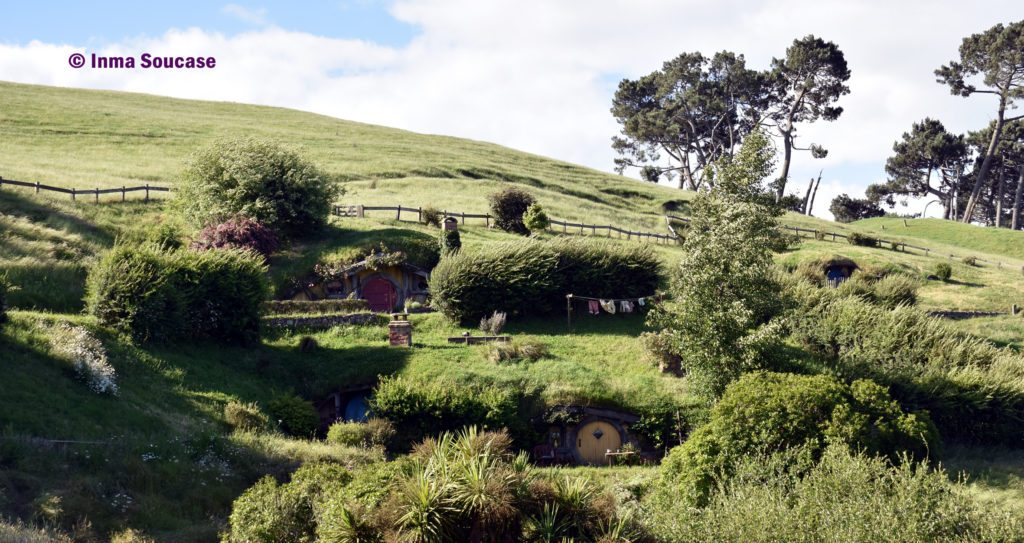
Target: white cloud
[
  {"x": 536, "y": 75},
  {"x": 257, "y": 16}
]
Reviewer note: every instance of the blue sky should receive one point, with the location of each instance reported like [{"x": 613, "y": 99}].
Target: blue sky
[
  {"x": 92, "y": 23},
  {"x": 535, "y": 75}
]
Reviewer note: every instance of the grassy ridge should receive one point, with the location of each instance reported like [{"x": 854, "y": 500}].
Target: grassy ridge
[{"x": 87, "y": 139}]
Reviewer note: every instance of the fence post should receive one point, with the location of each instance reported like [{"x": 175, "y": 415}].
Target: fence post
[
  {"x": 147, "y": 192},
  {"x": 359, "y": 211},
  {"x": 123, "y": 191},
  {"x": 398, "y": 214},
  {"x": 463, "y": 217},
  {"x": 37, "y": 187},
  {"x": 72, "y": 194},
  {"x": 97, "y": 195},
  {"x": 487, "y": 220},
  {"x": 419, "y": 214}
]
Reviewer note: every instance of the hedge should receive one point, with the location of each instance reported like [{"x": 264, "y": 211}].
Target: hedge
[
  {"x": 533, "y": 276},
  {"x": 155, "y": 295}
]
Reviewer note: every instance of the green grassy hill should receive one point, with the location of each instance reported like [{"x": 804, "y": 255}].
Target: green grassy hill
[
  {"x": 87, "y": 139},
  {"x": 165, "y": 443}
]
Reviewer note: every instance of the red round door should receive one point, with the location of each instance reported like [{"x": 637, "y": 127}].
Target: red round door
[{"x": 380, "y": 294}]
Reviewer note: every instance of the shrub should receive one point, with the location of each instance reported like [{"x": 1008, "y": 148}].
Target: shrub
[
  {"x": 308, "y": 344},
  {"x": 943, "y": 271},
  {"x": 770, "y": 412},
  {"x": 295, "y": 415},
  {"x": 894, "y": 290},
  {"x": 516, "y": 351},
  {"x": 864, "y": 240},
  {"x": 431, "y": 216},
  {"x": 535, "y": 219},
  {"x": 238, "y": 233},
  {"x": 664, "y": 350},
  {"x": 508, "y": 206},
  {"x": 971, "y": 260},
  {"x": 258, "y": 179},
  {"x": 494, "y": 324},
  {"x": 533, "y": 276},
  {"x": 159, "y": 296},
  {"x": 450, "y": 241},
  {"x": 245, "y": 416},
  {"x": 269, "y": 513},
  {"x": 845, "y": 497},
  {"x": 87, "y": 356},
  {"x": 421, "y": 408},
  {"x": 372, "y": 433}
]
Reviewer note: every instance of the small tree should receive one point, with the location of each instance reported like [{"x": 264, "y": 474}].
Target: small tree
[
  {"x": 258, "y": 179},
  {"x": 508, "y": 206},
  {"x": 724, "y": 292},
  {"x": 846, "y": 209},
  {"x": 535, "y": 219}
]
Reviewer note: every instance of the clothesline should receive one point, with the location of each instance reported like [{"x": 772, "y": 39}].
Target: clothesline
[
  {"x": 577, "y": 297},
  {"x": 609, "y": 305}
]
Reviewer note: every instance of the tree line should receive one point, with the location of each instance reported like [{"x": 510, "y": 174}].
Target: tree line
[{"x": 698, "y": 109}]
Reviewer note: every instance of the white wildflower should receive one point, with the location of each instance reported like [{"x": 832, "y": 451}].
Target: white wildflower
[{"x": 87, "y": 356}]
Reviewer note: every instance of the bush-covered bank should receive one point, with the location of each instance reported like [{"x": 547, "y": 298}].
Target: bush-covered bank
[
  {"x": 846, "y": 497},
  {"x": 532, "y": 277},
  {"x": 764, "y": 413},
  {"x": 468, "y": 486},
  {"x": 973, "y": 390}
]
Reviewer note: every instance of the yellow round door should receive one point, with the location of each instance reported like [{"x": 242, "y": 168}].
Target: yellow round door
[{"x": 595, "y": 439}]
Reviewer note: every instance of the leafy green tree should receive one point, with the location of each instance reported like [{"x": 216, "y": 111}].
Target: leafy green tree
[
  {"x": 927, "y": 154},
  {"x": 847, "y": 209},
  {"x": 259, "y": 179},
  {"x": 724, "y": 293},
  {"x": 804, "y": 86},
  {"x": 536, "y": 219},
  {"x": 694, "y": 110},
  {"x": 997, "y": 55}
]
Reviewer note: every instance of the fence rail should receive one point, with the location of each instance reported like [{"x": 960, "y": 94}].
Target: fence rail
[
  {"x": 75, "y": 192},
  {"x": 555, "y": 224}
]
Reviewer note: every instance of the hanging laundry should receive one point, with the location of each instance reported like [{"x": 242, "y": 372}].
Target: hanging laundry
[
  {"x": 593, "y": 307},
  {"x": 608, "y": 305},
  {"x": 640, "y": 302},
  {"x": 626, "y": 306}
]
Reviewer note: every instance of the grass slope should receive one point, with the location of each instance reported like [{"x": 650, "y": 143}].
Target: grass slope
[{"x": 87, "y": 139}]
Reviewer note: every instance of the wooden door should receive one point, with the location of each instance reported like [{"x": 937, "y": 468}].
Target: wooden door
[
  {"x": 380, "y": 295},
  {"x": 596, "y": 438}
]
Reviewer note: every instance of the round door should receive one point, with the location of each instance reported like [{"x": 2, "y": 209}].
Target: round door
[
  {"x": 380, "y": 295},
  {"x": 595, "y": 439}
]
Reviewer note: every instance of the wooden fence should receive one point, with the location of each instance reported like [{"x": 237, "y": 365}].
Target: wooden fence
[
  {"x": 556, "y": 225},
  {"x": 75, "y": 193},
  {"x": 894, "y": 245}
]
